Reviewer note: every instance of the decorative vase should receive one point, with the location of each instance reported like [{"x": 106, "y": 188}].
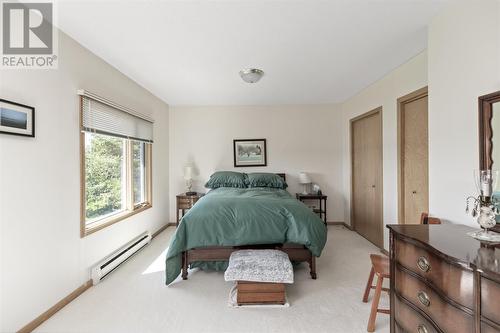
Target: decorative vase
[
  {"x": 486, "y": 218},
  {"x": 485, "y": 205}
]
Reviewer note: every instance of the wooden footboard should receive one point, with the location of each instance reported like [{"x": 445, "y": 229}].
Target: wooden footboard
[{"x": 295, "y": 252}]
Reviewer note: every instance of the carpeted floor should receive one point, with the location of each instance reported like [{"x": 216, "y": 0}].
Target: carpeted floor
[{"x": 135, "y": 299}]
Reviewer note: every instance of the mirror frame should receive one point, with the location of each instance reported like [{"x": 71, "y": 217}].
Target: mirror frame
[{"x": 485, "y": 131}]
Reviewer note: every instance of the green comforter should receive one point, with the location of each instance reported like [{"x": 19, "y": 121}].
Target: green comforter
[{"x": 234, "y": 216}]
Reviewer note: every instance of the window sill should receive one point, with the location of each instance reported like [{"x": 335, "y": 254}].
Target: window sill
[{"x": 106, "y": 222}]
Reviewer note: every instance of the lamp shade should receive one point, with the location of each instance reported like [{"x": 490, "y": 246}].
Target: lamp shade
[
  {"x": 304, "y": 178},
  {"x": 188, "y": 172}
]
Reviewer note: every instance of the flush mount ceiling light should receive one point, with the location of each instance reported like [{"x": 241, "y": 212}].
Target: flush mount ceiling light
[{"x": 251, "y": 75}]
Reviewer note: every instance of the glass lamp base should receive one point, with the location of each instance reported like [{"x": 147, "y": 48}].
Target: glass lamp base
[{"x": 485, "y": 236}]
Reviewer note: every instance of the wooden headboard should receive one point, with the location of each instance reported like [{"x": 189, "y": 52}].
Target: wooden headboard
[{"x": 282, "y": 175}]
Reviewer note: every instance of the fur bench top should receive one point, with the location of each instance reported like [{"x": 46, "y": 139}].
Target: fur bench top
[{"x": 271, "y": 266}]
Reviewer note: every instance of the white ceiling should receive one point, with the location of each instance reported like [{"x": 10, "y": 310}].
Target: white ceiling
[{"x": 312, "y": 52}]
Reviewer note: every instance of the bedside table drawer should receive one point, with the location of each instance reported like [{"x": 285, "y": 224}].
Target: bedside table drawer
[
  {"x": 185, "y": 203},
  {"x": 184, "y": 206}
]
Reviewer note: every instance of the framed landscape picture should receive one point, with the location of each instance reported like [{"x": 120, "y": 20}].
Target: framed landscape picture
[
  {"x": 249, "y": 152},
  {"x": 17, "y": 119}
]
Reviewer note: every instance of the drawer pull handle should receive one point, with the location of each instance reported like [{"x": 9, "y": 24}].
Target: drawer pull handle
[
  {"x": 423, "y": 264},
  {"x": 422, "y": 329},
  {"x": 423, "y": 298}
]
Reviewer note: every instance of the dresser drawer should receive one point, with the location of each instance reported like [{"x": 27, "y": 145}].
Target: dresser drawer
[
  {"x": 454, "y": 282},
  {"x": 398, "y": 329},
  {"x": 490, "y": 300},
  {"x": 485, "y": 328},
  {"x": 409, "y": 320},
  {"x": 446, "y": 316}
]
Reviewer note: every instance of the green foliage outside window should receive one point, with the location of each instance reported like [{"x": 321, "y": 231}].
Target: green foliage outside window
[{"x": 103, "y": 175}]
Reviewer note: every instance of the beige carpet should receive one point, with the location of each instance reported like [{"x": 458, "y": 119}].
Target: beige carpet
[{"x": 135, "y": 299}]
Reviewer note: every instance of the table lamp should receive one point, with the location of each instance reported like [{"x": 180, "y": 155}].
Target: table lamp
[
  {"x": 304, "y": 179},
  {"x": 188, "y": 177}
]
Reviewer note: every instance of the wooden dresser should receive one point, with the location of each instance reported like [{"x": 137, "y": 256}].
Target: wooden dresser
[{"x": 443, "y": 280}]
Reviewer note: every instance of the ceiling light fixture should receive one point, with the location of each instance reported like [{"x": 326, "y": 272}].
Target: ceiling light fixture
[{"x": 251, "y": 75}]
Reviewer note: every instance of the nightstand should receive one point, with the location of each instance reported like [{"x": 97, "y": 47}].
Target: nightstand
[
  {"x": 184, "y": 203},
  {"x": 321, "y": 211}
]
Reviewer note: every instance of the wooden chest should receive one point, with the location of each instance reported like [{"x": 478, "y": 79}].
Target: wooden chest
[{"x": 260, "y": 293}]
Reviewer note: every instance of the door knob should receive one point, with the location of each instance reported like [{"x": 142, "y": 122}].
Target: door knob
[
  {"x": 373, "y": 186},
  {"x": 414, "y": 192}
]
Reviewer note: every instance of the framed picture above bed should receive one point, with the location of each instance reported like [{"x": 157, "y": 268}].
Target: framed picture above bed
[
  {"x": 17, "y": 119},
  {"x": 249, "y": 152}
]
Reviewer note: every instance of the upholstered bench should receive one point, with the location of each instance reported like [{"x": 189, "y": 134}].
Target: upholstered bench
[{"x": 260, "y": 276}]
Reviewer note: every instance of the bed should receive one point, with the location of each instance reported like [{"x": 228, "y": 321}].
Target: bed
[{"x": 229, "y": 219}]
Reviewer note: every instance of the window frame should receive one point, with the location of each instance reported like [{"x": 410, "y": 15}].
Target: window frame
[
  {"x": 130, "y": 208},
  {"x": 147, "y": 173}
]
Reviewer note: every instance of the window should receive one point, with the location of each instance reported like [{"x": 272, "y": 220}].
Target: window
[
  {"x": 105, "y": 184},
  {"x": 116, "y": 149},
  {"x": 139, "y": 172}
]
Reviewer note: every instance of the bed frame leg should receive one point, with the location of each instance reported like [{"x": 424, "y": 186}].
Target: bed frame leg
[
  {"x": 184, "y": 266},
  {"x": 312, "y": 265}
]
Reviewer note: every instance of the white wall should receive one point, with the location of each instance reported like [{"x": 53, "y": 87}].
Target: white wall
[
  {"x": 405, "y": 79},
  {"x": 43, "y": 257},
  {"x": 464, "y": 63},
  {"x": 299, "y": 138}
]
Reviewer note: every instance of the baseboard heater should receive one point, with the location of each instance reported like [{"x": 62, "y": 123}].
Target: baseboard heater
[{"x": 115, "y": 259}]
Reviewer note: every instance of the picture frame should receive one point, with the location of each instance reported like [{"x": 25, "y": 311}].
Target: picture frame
[
  {"x": 249, "y": 152},
  {"x": 17, "y": 119}
]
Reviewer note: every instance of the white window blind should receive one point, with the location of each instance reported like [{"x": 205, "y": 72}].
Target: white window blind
[{"x": 105, "y": 117}]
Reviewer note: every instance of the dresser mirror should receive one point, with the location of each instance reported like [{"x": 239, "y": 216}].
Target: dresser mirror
[
  {"x": 489, "y": 136},
  {"x": 489, "y": 131}
]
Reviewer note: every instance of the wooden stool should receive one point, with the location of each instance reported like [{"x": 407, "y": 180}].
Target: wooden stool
[
  {"x": 426, "y": 219},
  {"x": 380, "y": 266}
]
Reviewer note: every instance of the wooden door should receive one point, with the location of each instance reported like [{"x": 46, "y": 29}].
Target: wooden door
[
  {"x": 414, "y": 156},
  {"x": 366, "y": 156}
]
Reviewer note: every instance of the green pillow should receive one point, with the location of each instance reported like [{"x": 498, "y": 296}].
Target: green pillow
[
  {"x": 264, "y": 179},
  {"x": 226, "y": 179}
]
